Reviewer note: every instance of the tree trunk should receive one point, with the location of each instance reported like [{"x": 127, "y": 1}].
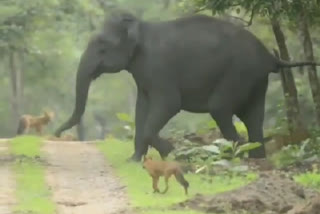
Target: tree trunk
[
  {"x": 166, "y": 4},
  {"x": 102, "y": 124},
  {"x": 21, "y": 75},
  {"x": 81, "y": 131},
  {"x": 312, "y": 71},
  {"x": 288, "y": 84},
  {"x": 16, "y": 86}
]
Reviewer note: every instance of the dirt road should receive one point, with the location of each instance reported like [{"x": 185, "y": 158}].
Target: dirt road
[
  {"x": 81, "y": 181},
  {"x": 6, "y": 180}
]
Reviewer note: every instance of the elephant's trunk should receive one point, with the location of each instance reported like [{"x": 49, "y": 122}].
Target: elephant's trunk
[{"x": 82, "y": 87}]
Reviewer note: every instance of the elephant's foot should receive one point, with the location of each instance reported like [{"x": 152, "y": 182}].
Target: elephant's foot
[
  {"x": 57, "y": 133},
  {"x": 242, "y": 140},
  {"x": 164, "y": 148},
  {"x": 258, "y": 153},
  {"x": 135, "y": 158}
]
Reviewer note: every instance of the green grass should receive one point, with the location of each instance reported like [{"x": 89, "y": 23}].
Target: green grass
[
  {"x": 139, "y": 182},
  {"x": 32, "y": 193},
  {"x": 309, "y": 179},
  {"x": 26, "y": 145}
]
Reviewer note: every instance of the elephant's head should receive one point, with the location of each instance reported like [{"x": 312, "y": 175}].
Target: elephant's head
[{"x": 109, "y": 51}]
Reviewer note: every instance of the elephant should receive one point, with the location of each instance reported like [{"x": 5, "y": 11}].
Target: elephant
[{"x": 196, "y": 63}]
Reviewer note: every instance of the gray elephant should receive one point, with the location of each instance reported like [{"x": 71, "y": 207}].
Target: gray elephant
[{"x": 195, "y": 63}]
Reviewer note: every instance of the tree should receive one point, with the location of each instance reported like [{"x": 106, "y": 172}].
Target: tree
[
  {"x": 307, "y": 12},
  {"x": 288, "y": 84},
  {"x": 25, "y": 29}
]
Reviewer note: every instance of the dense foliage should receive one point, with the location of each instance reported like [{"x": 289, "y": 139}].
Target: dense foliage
[{"x": 41, "y": 42}]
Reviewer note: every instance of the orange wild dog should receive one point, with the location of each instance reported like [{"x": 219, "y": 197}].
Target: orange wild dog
[
  {"x": 157, "y": 169},
  {"x": 37, "y": 122}
]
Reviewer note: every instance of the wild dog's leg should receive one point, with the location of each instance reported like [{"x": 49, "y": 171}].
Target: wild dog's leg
[
  {"x": 38, "y": 129},
  {"x": 166, "y": 179},
  {"x": 155, "y": 180},
  {"x": 27, "y": 128}
]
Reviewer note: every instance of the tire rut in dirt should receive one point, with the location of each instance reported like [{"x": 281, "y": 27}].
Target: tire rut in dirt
[{"x": 81, "y": 181}]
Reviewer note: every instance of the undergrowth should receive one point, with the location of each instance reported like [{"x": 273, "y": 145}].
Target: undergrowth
[
  {"x": 306, "y": 151},
  {"x": 139, "y": 183},
  {"x": 309, "y": 179}
]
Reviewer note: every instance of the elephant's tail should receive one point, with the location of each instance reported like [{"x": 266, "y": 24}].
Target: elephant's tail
[
  {"x": 285, "y": 64},
  {"x": 266, "y": 139}
]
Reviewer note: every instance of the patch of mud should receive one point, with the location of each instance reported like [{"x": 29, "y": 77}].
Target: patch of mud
[
  {"x": 81, "y": 182},
  {"x": 272, "y": 193},
  {"x": 7, "y": 184},
  {"x": 6, "y": 158}
]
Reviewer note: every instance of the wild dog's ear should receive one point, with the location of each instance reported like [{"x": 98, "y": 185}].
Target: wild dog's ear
[
  {"x": 145, "y": 158},
  {"x": 51, "y": 114},
  {"x": 46, "y": 111}
]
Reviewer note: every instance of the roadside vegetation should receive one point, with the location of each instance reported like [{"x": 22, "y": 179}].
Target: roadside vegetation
[{"x": 32, "y": 193}]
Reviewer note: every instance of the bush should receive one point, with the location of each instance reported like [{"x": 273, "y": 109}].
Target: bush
[
  {"x": 308, "y": 150},
  {"x": 221, "y": 152}
]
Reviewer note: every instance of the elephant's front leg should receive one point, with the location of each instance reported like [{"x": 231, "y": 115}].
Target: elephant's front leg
[
  {"x": 162, "y": 107},
  {"x": 151, "y": 115},
  {"x": 140, "y": 118}
]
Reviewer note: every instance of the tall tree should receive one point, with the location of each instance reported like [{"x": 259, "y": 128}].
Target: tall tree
[
  {"x": 288, "y": 84},
  {"x": 306, "y": 12},
  {"x": 16, "y": 78}
]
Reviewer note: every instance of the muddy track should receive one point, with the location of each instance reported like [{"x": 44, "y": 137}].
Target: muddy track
[
  {"x": 6, "y": 180},
  {"x": 81, "y": 181}
]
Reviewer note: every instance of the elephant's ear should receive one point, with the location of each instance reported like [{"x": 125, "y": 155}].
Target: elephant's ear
[
  {"x": 131, "y": 25},
  {"x": 133, "y": 31},
  {"x": 125, "y": 26}
]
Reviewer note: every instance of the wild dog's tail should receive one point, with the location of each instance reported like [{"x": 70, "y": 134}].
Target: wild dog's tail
[
  {"x": 21, "y": 126},
  {"x": 180, "y": 178}
]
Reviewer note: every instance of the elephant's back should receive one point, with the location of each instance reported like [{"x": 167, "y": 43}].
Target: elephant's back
[{"x": 201, "y": 35}]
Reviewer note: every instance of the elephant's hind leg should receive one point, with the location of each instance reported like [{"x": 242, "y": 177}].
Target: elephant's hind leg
[
  {"x": 253, "y": 116},
  {"x": 221, "y": 105},
  {"x": 226, "y": 126},
  {"x": 223, "y": 118}
]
